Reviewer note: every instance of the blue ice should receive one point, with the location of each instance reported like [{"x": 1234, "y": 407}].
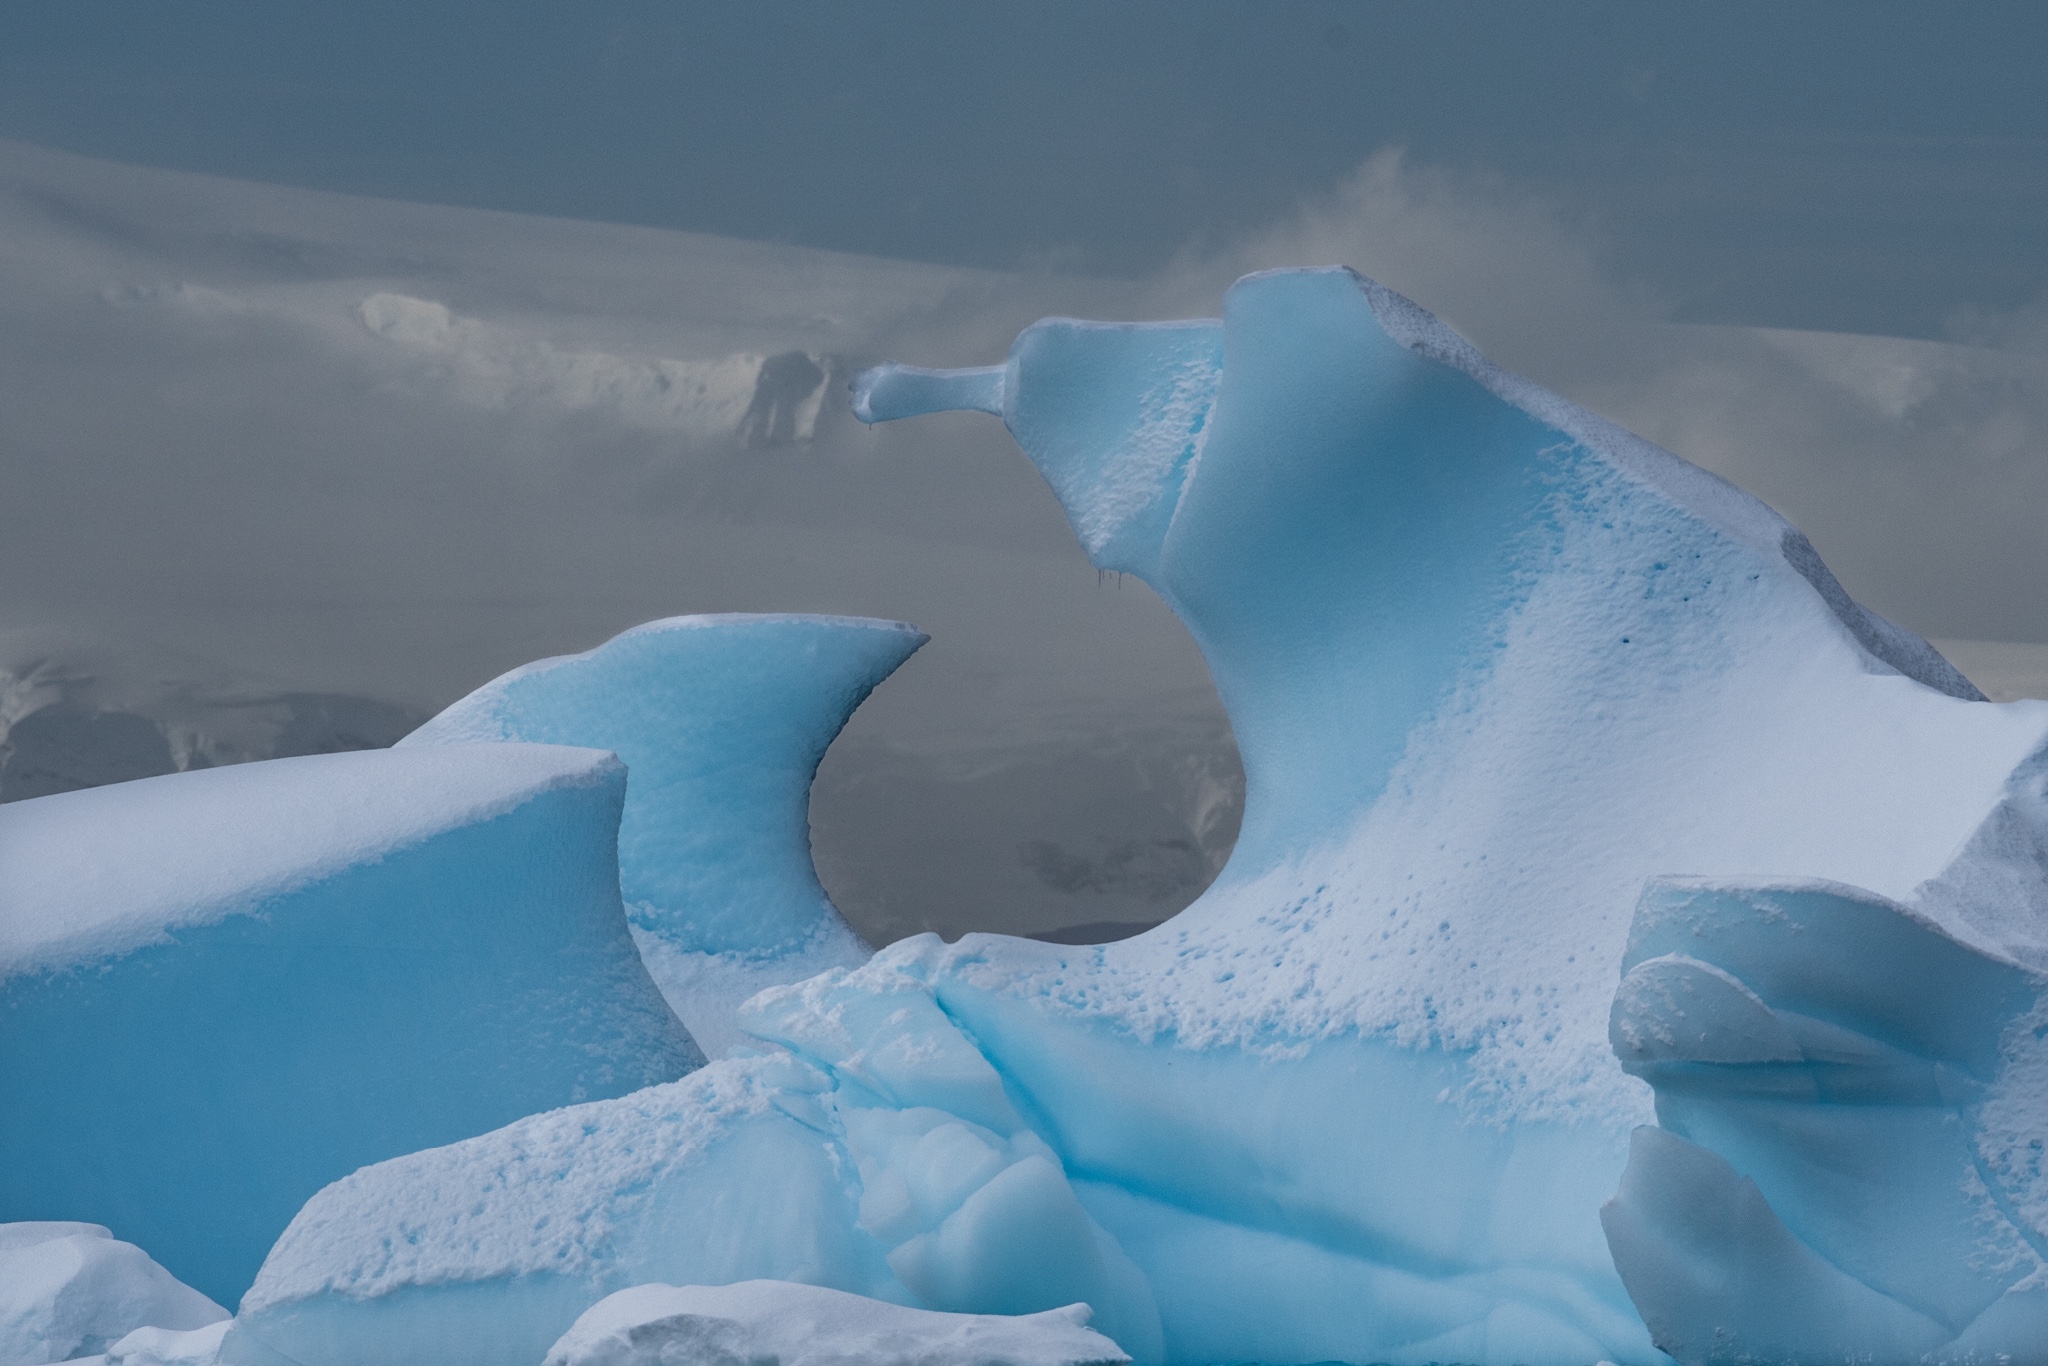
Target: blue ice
[
  {"x": 224, "y": 989},
  {"x": 1622, "y": 914},
  {"x": 721, "y": 721}
]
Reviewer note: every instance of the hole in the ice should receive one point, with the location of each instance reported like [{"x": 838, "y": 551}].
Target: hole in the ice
[
  {"x": 1088, "y": 833},
  {"x": 1080, "y": 816}
]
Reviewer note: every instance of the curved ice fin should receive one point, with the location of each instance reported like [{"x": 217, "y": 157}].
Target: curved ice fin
[
  {"x": 1675, "y": 1008},
  {"x": 722, "y": 721},
  {"x": 890, "y": 391}
]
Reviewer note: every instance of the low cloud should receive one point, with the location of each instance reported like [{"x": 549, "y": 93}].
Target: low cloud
[
  {"x": 1919, "y": 468},
  {"x": 745, "y": 396},
  {"x": 388, "y": 451}
]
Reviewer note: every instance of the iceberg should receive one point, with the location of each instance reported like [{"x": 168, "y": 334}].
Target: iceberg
[
  {"x": 225, "y": 988},
  {"x": 69, "y": 1290},
  {"x": 721, "y": 721},
  {"x": 778, "y": 1323},
  {"x": 1495, "y": 667}
]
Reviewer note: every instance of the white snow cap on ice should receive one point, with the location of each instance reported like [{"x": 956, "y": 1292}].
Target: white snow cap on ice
[
  {"x": 68, "y": 1290},
  {"x": 781, "y": 1323},
  {"x": 86, "y": 876}
]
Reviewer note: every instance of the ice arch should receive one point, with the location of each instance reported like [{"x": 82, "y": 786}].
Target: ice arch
[{"x": 1494, "y": 665}]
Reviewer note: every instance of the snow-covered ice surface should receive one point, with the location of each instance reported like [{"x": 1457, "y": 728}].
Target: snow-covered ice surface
[
  {"x": 166, "y": 1347},
  {"x": 781, "y": 1323},
  {"x": 919, "y": 1184},
  {"x": 1495, "y": 667},
  {"x": 721, "y": 721},
  {"x": 70, "y": 1290},
  {"x": 225, "y": 988}
]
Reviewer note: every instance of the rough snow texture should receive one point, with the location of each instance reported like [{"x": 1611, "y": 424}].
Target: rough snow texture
[
  {"x": 721, "y": 721},
  {"x": 167, "y": 1347},
  {"x": 88, "y": 876},
  {"x": 496, "y": 1205},
  {"x": 223, "y": 989},
  {"x": 896, "y": 1170},
  {"x": 72, "y": 1290},
  {"x": 1493, "y": 666},
  {"x": 780, "y": 1323}
]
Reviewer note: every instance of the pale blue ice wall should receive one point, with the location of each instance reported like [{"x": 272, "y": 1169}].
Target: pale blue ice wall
[
  {"x": 1849, "y": 1159},
  {"x": 221, "y": 990}
]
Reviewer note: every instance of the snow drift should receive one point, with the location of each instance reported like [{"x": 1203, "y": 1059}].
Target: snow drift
[
  {"x": 778, "y": 1323},
  {"x": 70, "y": 1290}
]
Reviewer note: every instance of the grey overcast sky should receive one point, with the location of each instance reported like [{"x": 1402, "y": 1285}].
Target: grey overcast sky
[{"x": 1871, "y": 167}]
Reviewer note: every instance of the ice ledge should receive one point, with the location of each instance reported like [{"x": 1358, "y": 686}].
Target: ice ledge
[{"x": 86, "y": 876}]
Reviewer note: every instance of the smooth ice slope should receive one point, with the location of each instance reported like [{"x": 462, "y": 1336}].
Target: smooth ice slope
[
  {"x": 1493, "y": 665},
  {"x": 70, "y": 1290},
  {"x": 721, "y": 721},
  {"x": 223, "y": 989},
  {"x": 1851, "y": 1110},
  {"x": 780, "y": 1323}
]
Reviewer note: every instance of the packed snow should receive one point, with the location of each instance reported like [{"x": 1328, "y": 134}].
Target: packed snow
[
  {"x": 166, "y": 1347},
  {"x": 71, "y": 1290},
  {"x": 780, "y": 1323},
  {"x": 722, "y": 721}
]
